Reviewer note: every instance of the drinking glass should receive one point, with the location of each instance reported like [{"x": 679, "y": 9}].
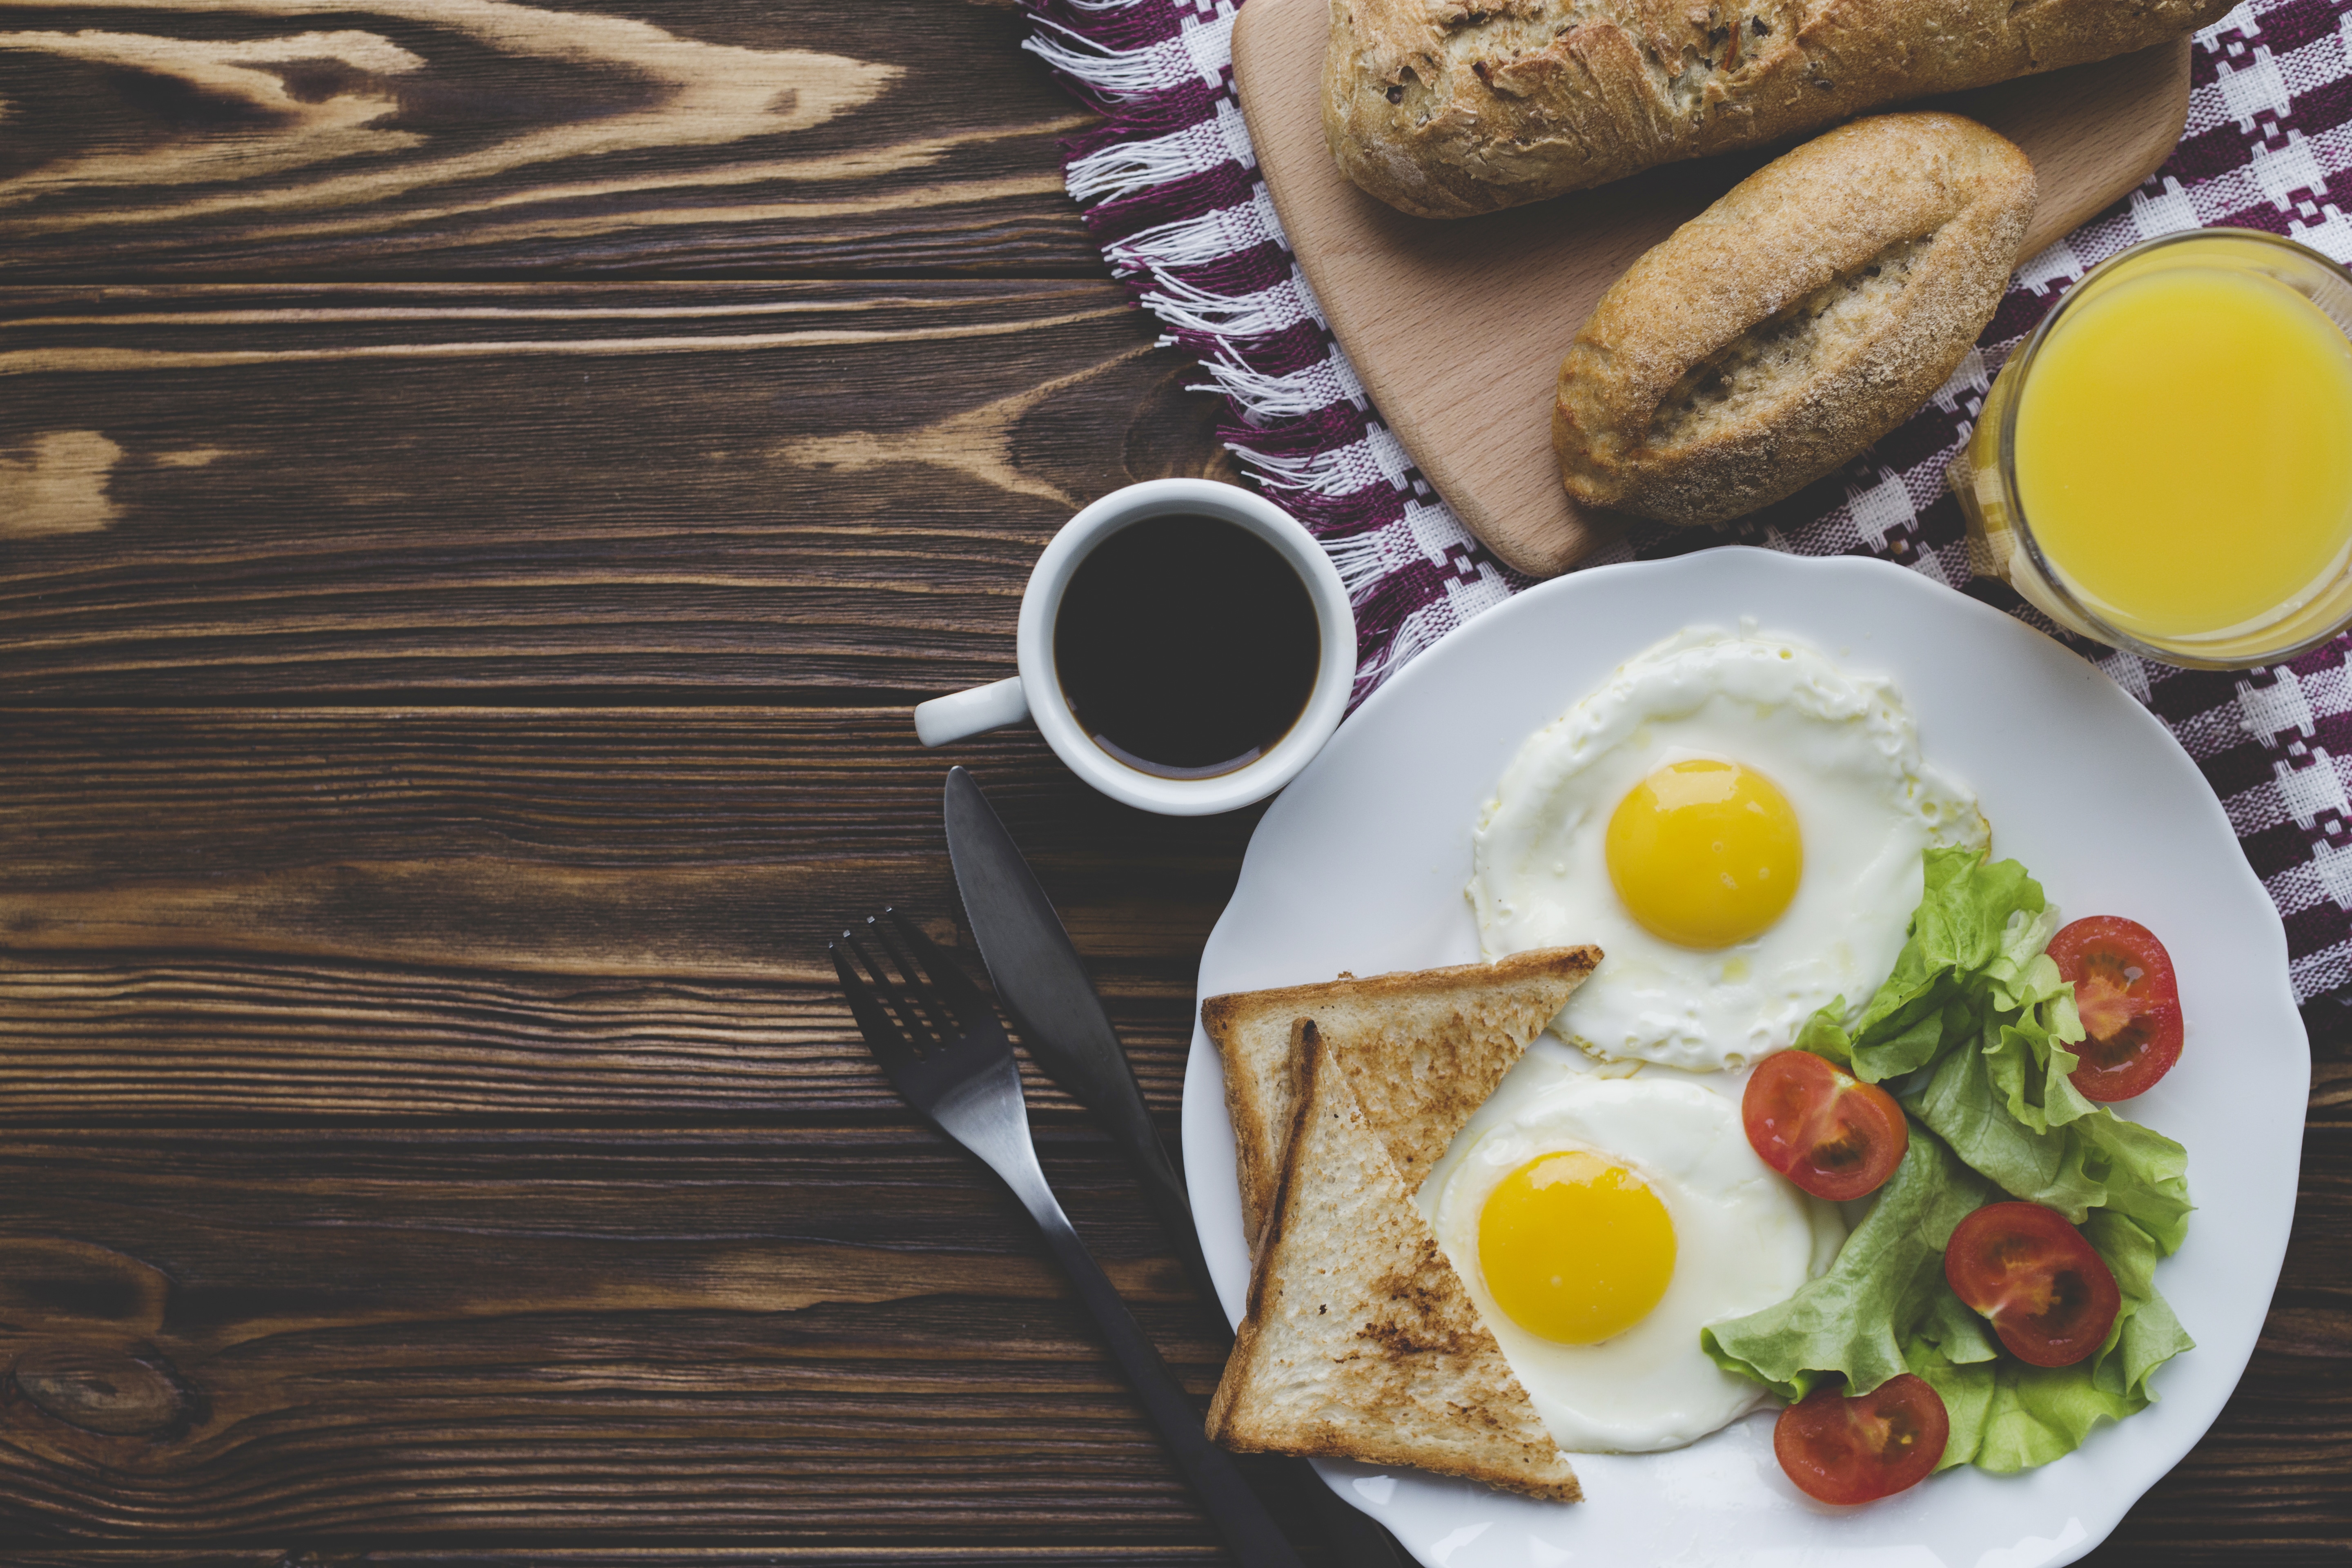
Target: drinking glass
[{"x": 2002, "y": 541}]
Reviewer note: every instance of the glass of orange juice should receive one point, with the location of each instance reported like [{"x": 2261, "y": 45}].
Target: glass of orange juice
[{"x": 2166, "y": 465}]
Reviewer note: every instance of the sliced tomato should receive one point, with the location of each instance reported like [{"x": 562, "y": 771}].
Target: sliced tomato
[
  {"x": 2050, "y": 1295},
  {"x": 2129, "y": 1002},
  {"x": 1842, "y": 1449},
  {"x": 1833, "y": 1135}
]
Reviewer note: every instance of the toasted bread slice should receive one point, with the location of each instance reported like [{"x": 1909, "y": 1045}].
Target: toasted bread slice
[
  {"x": 1423, "y": 1049},
  {"x": 1361, "y": 1342}
]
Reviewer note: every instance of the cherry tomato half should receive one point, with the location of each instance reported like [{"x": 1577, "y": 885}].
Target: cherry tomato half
[
  {"x": 2130, "y": 1004},
  {"x": 1840, "y": 1450},
  {"x": 2050, "y": 1295},
  {"x": 1833, "y": 1135}
]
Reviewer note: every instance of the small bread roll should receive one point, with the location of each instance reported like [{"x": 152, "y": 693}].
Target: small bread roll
[{"x": 1807, "y": 313}]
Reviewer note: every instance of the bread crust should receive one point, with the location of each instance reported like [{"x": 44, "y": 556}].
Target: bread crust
[
  {"x": 1361, "y": 1342},
  {"x": 1804, "y": 315},
  {"x": 1475, "y": 1019},
  {"x": 1452, "y": 107}
]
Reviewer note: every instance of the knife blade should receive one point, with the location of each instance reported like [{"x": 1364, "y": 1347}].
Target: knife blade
[{"x": 1043, "y": 984}]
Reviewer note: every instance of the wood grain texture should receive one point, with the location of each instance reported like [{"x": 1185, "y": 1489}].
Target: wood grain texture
[
  {"x": 445, "y": 704},
  {"x": 835, "y": 1336},
  {"x": 828, "y": 1334},
  {"x": 1457, "y": 327},
  {"x": 151, "y": 139},
  {"x": 229, "y": 917},
  {"x": 743, "y": 488}
]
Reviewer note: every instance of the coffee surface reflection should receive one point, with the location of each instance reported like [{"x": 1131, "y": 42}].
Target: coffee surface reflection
[{"x": 1186, "y": 646}]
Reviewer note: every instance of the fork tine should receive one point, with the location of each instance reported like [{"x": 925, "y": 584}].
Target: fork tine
[
  {"x": 916, "y": 1029},
  {"x": 882, "y": 1035},
  {"x": 956, "y": 988},
  {"x": 942, "y": 1019}
]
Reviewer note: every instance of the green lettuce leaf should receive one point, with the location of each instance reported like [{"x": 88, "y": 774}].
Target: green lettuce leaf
[
  {"x": 2026, "y": 1036},
  {"x": 2096, "y": 1160},
  {"x": 1853, "y": 1321},
  {"x": 1884, "y": 1308},
  {"x": 2146, "y": 1335},
  {"x": 2143, "y": 1174},
  {"x": 1980, "y": 1025},
  {"x": 2007, "y": 1416},
  {"x": 1965, "y": 1108},
  {"x": 1967, "y": 1390},
  {"x": 1825, "y": 1035},
  {"x": 1980, "y": 1013},
  {"x": 2037, "y": 1413},
  {"x": 1977, "y": 924}
]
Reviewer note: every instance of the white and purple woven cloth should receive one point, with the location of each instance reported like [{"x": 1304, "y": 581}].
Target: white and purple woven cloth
[{"x": 1170, "y": 189}]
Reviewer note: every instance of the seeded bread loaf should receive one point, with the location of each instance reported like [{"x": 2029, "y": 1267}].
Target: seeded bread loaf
[
  {"x": 1810, "y": 312},
  {"x": 1449, "y": 108}
]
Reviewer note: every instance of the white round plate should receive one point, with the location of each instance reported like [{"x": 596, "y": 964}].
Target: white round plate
[{"x": 1361, "y": 866}]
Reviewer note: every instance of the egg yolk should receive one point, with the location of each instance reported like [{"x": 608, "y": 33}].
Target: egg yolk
[
  {"x": 1705, "y": 854},
  {"x": 1575, "y": 1248}
]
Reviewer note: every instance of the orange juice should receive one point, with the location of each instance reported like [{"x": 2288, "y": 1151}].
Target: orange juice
[{"x": 2183, "y": 451}]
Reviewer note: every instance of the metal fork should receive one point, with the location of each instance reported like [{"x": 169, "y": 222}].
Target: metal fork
[{"x": 937, "y": 1037}]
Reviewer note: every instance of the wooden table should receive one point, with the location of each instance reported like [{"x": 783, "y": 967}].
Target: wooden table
[{"x": 481, "y": 486}]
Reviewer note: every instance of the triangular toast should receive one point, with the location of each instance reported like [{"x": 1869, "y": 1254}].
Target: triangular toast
[
  {"x": 1424, "y": 1050},
  {"x": 1360, "y": 1340}
]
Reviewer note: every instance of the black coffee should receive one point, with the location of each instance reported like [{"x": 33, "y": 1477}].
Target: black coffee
[{"x": 1187, "y": 646}]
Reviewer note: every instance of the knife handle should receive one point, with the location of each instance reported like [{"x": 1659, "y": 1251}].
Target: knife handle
[{"x": 1250, "y": 1532}]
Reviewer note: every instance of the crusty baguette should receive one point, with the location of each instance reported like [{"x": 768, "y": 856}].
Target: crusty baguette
[
  {"x": 1435, "y": 1043},
  {"x": 1361, "y": 1342},
  {"x": 1449, "y": 108},
  {"x": 1807, "y": 312}
]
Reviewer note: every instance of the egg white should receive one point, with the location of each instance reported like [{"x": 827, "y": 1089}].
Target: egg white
[
  {"x": 1842, "y": 749},
  {"x": 1745, "y": 1238}
]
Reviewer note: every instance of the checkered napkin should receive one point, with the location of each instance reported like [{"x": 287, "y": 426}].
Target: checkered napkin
[{"x": 1170, "y": 189}]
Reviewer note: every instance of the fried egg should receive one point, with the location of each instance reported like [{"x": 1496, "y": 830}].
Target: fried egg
[
  {"x": 1600, "y": 1223},
  {"x": 1737, "y": 823}
]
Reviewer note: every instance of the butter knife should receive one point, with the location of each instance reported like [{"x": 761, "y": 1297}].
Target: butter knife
[{"x": 1043, "y": 984}]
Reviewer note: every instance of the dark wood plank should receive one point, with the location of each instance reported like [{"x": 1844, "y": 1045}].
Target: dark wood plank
[
  {"x": 137, "y": 1037},
  {"x": 230, "y": 916},
  {"x": 750, "y": 489},
  {"x": 151, "y": 140},
  {"x": 843, "y": 1336},
  {"x": 93, "y": 795},
  {"x": 839, "y": 1338}
]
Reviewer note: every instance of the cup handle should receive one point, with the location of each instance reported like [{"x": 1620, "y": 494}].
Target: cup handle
[{"x": 963, "y": 713}]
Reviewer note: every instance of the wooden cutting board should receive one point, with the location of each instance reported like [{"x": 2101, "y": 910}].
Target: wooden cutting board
[{"x": 1457, "y": 327}]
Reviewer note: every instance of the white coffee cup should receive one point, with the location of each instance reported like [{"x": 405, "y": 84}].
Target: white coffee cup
[{"x": 1036, "y": 692}]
